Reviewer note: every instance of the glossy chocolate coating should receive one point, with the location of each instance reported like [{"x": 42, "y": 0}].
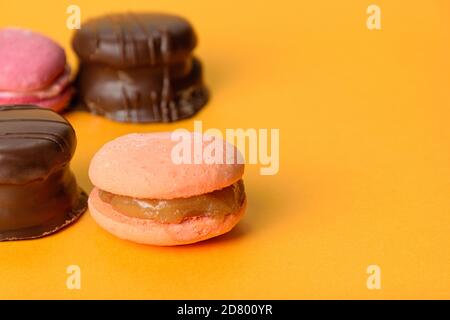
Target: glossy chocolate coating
[
  {"x": 139, "y": 68},
  {"x": 142, "y": 94},
  {"x": 132, "y": 40},
  {"x": 38, "y": 193}
]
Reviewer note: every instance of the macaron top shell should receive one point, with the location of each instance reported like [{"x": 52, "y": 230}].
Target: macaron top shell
[
  {"x": 28, "y": 60},
  {"x": 141, "y": 166}
]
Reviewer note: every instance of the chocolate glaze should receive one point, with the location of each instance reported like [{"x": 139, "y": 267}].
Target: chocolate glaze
[
  {"x": 131, "y": 40},
  {"x": 139, "y": 68},
  {"x": 142, "y": 94},
  {"x": 38, "y": 193}
]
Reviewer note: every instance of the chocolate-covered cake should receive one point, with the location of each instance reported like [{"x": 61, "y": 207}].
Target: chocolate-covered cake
[
  {"x": 38, "y": 192},
  {"x": 139, "y": 68}
]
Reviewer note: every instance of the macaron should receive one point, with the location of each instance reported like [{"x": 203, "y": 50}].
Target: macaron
[
  {"x": 33, "y": 70},
  {"x": 143, "y": 195}
]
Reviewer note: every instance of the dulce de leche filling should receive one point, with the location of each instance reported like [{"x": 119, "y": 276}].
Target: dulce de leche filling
[{"x": 217, "y": 203}]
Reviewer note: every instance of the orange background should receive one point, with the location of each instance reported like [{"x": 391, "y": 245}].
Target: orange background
[{"x": 365, "y": 157}]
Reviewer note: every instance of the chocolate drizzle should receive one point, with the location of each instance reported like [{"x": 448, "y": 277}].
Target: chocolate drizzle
[
  {"x": 38, "y": 193},
  {"x": 118, "y": 49}
]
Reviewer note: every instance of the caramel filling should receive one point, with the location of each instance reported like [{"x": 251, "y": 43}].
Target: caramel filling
[{"x": 217, "y": 203}]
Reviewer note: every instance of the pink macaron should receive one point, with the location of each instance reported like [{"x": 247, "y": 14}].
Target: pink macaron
[
  {"x": 143, "y": 193},
  {"x": 33, "y": 70}
]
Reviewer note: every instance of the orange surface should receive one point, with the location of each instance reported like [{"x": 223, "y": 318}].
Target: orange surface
[{"x": 365, "y": 157}]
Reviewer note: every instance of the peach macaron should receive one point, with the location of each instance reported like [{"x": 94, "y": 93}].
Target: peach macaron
[{"x": 144, "y": 194}]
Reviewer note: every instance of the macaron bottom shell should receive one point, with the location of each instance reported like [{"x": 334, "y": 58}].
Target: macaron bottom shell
[
  {"x": 146, "y": 231},
  {"x": 57, "y": 103}
]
